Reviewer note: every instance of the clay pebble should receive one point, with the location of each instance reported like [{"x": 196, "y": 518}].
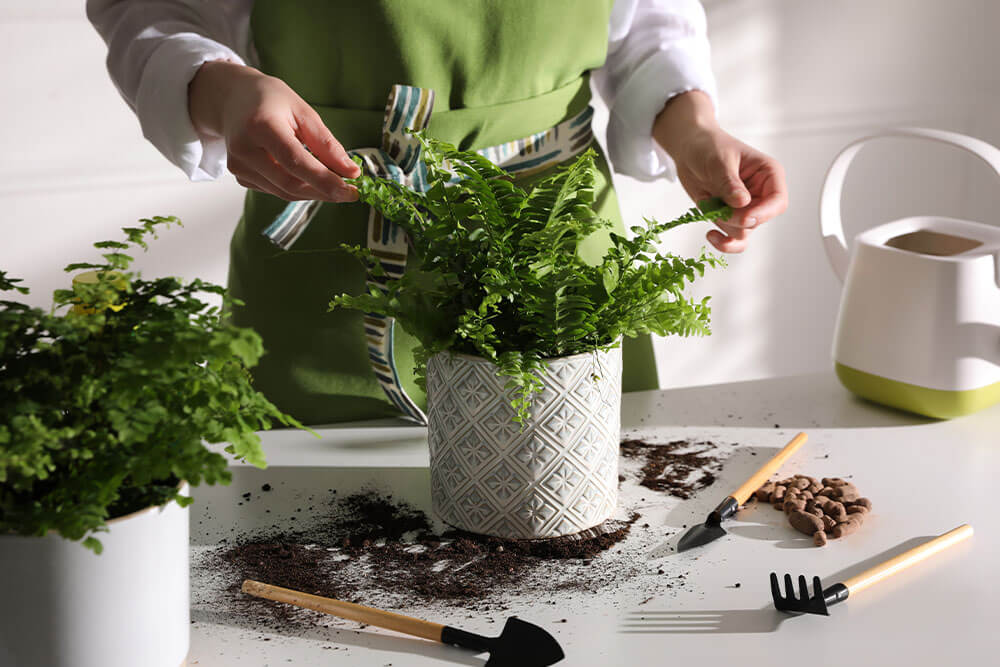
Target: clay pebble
[
  {"x": 763, "y": 494},
  {"x": 805, "y": 522},
  {"x": 793, "y": 504},
  {"x": 846, "y": 527}
]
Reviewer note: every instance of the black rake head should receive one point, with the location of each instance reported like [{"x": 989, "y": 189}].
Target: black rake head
[{"x": 817, "y": 603}]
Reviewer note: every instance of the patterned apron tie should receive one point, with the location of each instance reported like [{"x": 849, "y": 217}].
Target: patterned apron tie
[{"x": 399, "y": 160}]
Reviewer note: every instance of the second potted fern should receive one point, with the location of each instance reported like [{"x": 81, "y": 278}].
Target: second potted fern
[{"x": 520, "y": 336}]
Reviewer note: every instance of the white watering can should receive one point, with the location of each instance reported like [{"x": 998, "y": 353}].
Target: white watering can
[{"x": 919, "y": 321}]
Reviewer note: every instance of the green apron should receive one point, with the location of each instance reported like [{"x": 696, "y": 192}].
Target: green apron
[{"x": 500, "y": 69}]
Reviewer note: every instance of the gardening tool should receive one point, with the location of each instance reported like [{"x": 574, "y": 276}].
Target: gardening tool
[
  {"x": 920, "y": 314},
  {"x": 521, "y": 644},
  {"x": 821, "y": 599},
  {"x": 712, "y": 528}
]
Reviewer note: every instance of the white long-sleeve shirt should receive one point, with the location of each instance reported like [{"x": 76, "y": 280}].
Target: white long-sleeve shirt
[{"x": 656, "y": 49}]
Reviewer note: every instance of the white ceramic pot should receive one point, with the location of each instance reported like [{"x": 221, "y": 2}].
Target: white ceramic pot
[
  {"x": 62, "y": 605},
  {"x": 557, "y": 476}
]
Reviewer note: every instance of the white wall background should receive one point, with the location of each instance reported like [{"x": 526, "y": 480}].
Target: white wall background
[{"x": 798, "y": 78}]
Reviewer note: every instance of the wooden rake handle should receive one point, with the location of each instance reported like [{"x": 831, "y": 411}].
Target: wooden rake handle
[
  {"x": 352, "y": 612},
  {"x": 757, "y": 480},
  {"x": 906, "y": 559}
]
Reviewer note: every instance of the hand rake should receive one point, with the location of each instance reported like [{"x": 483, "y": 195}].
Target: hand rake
[{"x": 822, "y": 598}]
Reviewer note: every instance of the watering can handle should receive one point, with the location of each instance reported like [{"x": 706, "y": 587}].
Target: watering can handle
[{"x": 830, "y": 224}]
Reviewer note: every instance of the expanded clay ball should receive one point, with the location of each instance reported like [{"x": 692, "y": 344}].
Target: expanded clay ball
[
  {"x": 832, "y": 508},
  {"x": 846, "y": 493},
  {"x": 763, "y": 494},
  {"x": 805, "y": 523},
  {"x": 848, "y": 527},
  {"x": 793, "y": 504}
]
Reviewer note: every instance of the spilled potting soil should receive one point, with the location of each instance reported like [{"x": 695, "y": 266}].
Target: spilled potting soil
[
  {"x": 374, "y": 546},
  {"x": 680, "y": 468},
  {"x": 372, "y": 549}
]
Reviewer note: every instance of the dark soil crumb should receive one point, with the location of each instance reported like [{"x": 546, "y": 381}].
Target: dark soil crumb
[
  {"x": 373, "y": 545},
  {"x": 680, "y": 468}
]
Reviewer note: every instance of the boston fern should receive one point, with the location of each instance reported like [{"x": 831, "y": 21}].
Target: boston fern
[
  {"x": 104, "y": 407},
  {"x": 500, "y": 274}
]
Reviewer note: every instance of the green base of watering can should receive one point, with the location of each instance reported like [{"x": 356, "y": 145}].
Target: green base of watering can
[{"x": 920, "y": 400}]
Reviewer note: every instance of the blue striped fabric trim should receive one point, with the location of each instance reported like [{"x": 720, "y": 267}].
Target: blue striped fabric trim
[{"x": 527, "y": 164}]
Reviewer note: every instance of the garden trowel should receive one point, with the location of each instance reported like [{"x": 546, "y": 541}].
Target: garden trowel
[
  {"x": 712, "y": 528},
  {"x": 520, "y": 644}
]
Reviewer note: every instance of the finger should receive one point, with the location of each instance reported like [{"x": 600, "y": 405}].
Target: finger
[
  {"x": 727, "y": 184},
  {"x": 734, "y": 231},
  {"x": 725, "y": 243},
  {"x": 266, "y": 166},
  {"x": 251, "y": 183},
  {"x": 251, "y": 179},
  {"x": 772, "y": 200},
  {"x": 297, "y": 161},
  {"x": 251, "y": 173},
  {"x": 317, "y": 136}
]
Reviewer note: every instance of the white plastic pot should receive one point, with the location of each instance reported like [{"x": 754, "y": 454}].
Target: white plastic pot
[
  {"x": 62, "y": 605},
  {"x": 557, "y": 476}
]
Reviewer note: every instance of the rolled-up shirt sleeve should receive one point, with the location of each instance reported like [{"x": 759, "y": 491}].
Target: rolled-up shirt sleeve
[
  {"x": 155, "y": 47},
  {"x": 656, "y": 49}
]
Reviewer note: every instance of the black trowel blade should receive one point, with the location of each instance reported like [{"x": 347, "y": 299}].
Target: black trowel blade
[
  {"x": 523, "y": 644},
  {"x": 701, "y": 534}
]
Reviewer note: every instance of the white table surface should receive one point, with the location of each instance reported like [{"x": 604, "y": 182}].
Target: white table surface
[{"x": 924, "y": 477}]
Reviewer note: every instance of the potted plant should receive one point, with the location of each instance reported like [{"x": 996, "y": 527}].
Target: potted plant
[
  {"x": 104, "y": 411},
  {"x": 519, "y": 336}
]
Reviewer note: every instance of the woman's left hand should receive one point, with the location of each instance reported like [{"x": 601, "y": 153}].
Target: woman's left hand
[{"x": 712, "y": 163}]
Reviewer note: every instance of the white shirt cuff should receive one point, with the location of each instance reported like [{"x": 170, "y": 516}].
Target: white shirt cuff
[
  {"x": 162, "y": 104},
  {"x": 663, "y": 75}
]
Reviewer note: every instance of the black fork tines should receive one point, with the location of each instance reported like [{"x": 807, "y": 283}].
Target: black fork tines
[{"x": 804, "y": 602}]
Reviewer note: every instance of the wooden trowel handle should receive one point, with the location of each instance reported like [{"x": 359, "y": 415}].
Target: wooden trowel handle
[
  {"x": 906, "y": 559},
  {"x": 352, "y": 612},
  {"x": 757, "y": 480}
]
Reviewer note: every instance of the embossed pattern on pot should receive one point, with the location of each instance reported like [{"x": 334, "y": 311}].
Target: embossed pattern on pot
[{"x": 556, "y": 476}]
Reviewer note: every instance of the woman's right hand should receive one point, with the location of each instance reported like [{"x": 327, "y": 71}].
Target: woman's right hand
[{"x": 267, "y": 128}]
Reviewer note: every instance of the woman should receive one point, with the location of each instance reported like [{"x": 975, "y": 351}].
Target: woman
[{"x": 319, "y": 75}]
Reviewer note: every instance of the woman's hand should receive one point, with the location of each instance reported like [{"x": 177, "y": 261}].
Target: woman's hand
[
  {"x": 712, "y": 163},
  {"x": 267, "y": 128}
]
